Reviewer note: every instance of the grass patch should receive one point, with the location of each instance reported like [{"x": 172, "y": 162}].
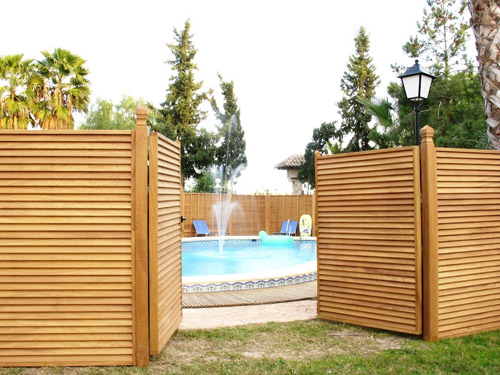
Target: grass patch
[{"x": 308, "y": 347}]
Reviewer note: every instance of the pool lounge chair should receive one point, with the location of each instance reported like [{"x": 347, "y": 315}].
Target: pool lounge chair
[
  {"x": 201, "y": 228},
  {"x": 289, "y": 227}
]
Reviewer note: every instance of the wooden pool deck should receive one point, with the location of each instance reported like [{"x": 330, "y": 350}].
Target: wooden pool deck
[{"x": 287, "y": 293}]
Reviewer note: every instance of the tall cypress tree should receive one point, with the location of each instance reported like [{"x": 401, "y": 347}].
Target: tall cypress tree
[
  {"x": 231, "y": 152},
  {"x": 359, "y": 81},
  {"x": 180, "y": 114},
  {"x": 442, "y": 37}
]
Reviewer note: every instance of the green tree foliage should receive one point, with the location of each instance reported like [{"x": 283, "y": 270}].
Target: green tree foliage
[
  {"x": 16, "y": 92},
  {"x": 199, "y": 154},
  {"x": 205, "y": 183},
  {"x": 455, "y": 110},
  {"x": 43, "y": 93},
  {"x": 64, "y": 89},
  {"x": 359, "y": 80},
  {"x": 442, "y": 36},
  {"x": 106, "y": 115},
  {"x": 455, "y": 106},
  {"x": 389, "y": 133},
  {"x": 178, "y": 117},
  {"x": 231, "y": 150},
  {"x": 320, "y": 142}
]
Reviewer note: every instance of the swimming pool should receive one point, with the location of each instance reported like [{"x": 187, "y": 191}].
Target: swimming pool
[{"x": 245, "y": 264}]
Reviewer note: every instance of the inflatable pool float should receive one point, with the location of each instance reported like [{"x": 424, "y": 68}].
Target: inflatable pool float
[
  {"x": 305, "y": 226},
  {"x": 275, "y": 240}
]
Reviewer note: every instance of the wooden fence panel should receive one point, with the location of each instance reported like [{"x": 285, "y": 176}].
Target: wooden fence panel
[
  {"x": 250, "y": 214},
  {"x": 369, "y": 252},
  {"x": 468, "y": 195},
  {"x": 66, "y": 251},
  {"x": 165, "y": 280},
  {"x": 247, "y": 217}
]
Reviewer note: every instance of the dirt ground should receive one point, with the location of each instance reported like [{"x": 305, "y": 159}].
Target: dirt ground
[
  {"x": 302, "y": 341},
  {"x": 272, "y": 346}
]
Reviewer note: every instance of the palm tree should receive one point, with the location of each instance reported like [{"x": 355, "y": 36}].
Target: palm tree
[
  {"x": 17, "y": 93},
  {"x": 63, "y": 90},
  {"x": 485, "y": 21},
  {"x": 389, "y": 133}
]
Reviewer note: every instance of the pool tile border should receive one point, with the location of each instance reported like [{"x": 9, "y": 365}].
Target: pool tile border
[
  {"x": 246, "y": 285},
  {"x": 257, "y": 283}
]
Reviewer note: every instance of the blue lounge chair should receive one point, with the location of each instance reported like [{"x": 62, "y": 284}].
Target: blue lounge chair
[
  {"x": 201, "y": 228},
  {"x": 289, "y": 227}
]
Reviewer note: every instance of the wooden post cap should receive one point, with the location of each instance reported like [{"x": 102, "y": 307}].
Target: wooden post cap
[
  {"x": 427, "y": 133},
  {"x": 142, "y": 115}
]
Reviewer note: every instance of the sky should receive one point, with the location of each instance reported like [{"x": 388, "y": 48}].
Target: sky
[{"x": 286, "y": 58}]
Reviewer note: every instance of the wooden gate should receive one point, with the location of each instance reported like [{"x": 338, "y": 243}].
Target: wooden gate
[
  {"x": 369, "y": 240},
  {"x": 461, "y": 199},
  {"x": 67, "y": 273},
  {"x": 165, "y": 279},
  {"x": 74, "y": 256}
]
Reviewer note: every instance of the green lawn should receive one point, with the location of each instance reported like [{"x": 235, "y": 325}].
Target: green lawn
[{"x": 309, "y": 347}]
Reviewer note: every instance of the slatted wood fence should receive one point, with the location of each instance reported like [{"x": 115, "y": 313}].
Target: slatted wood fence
[
  {"x": 165, "y": 281},
  {"x": 251, "y": 214},
  {"x": 369, "y": 252},
  {"x": 464, "y": 276},
  {"x": 66, "y": 250},
  {"x": 73, "y": 248},
  {"x": 369, "y": 224}
]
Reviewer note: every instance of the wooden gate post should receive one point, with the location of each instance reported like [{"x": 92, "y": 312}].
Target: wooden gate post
[
  {"x": 267, "y": 212},
  {"x": 317, "y": 155},
  {"x": 183, "y": 213},
  {"x": 313, "y": 214},
  {"x": 140, "y": 228},
  {"x": 430, "y": 236}
]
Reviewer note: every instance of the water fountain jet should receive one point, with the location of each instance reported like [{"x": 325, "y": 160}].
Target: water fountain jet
[{"x": 223, "y": 206}]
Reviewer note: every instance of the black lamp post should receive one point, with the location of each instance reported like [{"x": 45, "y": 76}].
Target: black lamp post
[{"x": 417, "y": 84}]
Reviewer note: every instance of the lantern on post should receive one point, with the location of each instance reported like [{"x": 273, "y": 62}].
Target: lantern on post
[{"x": 417, "y": 84}]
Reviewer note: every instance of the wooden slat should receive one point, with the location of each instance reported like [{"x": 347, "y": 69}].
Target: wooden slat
[
  {"x": 368, "y": 215},
  {"x": 468, "y": 187},
  {"x": 66, "y": 276},
  {"x": 165, "y": 285}
]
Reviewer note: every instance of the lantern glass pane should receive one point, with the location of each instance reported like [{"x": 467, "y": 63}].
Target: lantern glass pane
[
  {"x": 425, "y": 86},
  {"x": 411, "y": 84}
]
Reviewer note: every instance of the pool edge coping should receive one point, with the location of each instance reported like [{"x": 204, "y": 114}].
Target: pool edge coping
[{"x": 245, "y": 281}]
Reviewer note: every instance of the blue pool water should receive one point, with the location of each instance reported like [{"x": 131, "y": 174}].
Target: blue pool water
[{"x": 203, "y": 258}]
